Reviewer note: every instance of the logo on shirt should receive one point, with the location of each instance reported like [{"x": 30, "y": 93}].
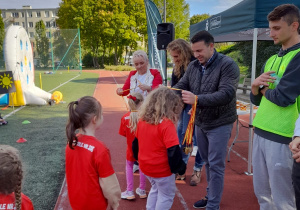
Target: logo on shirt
[
  {"x": 85, "y": 146},
  {"x": 7, "y": 206}
]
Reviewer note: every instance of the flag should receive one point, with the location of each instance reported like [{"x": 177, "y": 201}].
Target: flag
[{"x": 157, "y": 58}]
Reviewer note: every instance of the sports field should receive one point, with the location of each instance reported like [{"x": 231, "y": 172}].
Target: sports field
[{"x": 43, "y": 153}]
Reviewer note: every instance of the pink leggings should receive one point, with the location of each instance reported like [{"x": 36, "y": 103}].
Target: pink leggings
[{"x": 129, "y": 176}]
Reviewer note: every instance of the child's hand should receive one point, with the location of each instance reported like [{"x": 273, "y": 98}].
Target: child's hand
[
  {"x": 119, "y": 91},
  {"x": 188, "y": 97},
  {"x": 295, "y": 145}
]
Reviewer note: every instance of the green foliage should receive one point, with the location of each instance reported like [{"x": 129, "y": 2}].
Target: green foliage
[
  {"x": 198, "y": 18},
  {"x": 264, "y": 50},
  {"x": 107, "y": 27},
  {"x": 66, "y": 46},
  {"x": 42, "y": 42},
  {"x": 178, "y": 13},
  {"x": 119, "y": 68},
  {"x": 87, "y": 60}
]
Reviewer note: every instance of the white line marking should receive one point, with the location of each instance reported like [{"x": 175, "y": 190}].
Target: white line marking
[
  {"x": 181, "y": 199},
  {"x": 239, "y": 155},
  {"x": 8, "y": 115},
  {"x": 124, "y": 98}
]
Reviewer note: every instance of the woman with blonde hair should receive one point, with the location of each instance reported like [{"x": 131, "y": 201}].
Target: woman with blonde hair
[
  {"x": 141, "y": 80},
  {"x": 182, "y": 55},
  {"x": 157, "y": 146}
]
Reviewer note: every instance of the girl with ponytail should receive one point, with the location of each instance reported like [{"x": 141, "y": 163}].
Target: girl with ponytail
[{"x": 91, "y": 179}]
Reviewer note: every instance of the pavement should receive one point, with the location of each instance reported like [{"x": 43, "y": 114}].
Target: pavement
[
  {"x": 242, "y": 96},
  {"x": 238, "y": 191}
]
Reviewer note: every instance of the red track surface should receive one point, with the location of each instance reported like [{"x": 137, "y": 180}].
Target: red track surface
[{"x": 238, "y": 188}]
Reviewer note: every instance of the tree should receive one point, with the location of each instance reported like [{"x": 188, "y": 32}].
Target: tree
[
  {"x": 264, "y": 50},
  {"x": 2, "y": 34},
  {"x": 42, "y": 42},
  {"x": 198, "y": 18},
  {"x": 107, "y": 27},
  {"x": 178, "y": 13}
]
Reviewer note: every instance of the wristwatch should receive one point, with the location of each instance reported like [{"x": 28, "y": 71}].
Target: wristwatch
[{"x": 261, "y": 87}]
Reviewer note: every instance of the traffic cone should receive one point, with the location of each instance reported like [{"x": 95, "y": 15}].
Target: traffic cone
[{"x": 21, "y": 140}]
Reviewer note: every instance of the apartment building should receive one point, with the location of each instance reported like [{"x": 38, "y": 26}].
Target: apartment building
[{"x": 28, "y": 17}]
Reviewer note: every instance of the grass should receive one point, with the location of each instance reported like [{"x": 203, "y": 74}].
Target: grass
[{"x": 43, "y": 153}]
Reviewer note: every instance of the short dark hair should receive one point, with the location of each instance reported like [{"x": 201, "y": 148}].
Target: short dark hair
[
  {"x": 203, "y": 36},
  {"x": 289, "y": 12}
]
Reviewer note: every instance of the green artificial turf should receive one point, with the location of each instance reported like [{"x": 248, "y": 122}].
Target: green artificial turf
[{"x": 43, "y": 153}]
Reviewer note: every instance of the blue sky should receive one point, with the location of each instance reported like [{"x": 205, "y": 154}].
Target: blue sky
[
  {"x": 196, "y": 6},
  {"x": 210, "y": 6}
]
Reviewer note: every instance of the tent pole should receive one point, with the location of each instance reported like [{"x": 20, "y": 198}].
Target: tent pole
[{"x": 254, "y": 51}]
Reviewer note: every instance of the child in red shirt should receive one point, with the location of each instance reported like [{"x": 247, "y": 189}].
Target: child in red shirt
[
  {"x": 158, "y": 148},
  {"x": 11, "y": 175},
  {"x": 91, "y": 180},
  {"x": 127, "y": 129}
]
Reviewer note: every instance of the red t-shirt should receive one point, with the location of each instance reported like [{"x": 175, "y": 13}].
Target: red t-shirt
[
  {"x": 89, "y": 161},
  {"x": 154, "y": 140},
  {"x": 8, "y": 202},
  {"x": 125, "y": 131}
]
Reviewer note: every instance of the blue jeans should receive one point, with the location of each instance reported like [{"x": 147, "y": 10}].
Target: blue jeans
[
  {"x": 212, "y": 148},
  {"x": 181, "y": 129}
]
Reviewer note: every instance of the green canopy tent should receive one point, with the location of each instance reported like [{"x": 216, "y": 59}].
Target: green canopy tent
[{"x": 245, "y": 21}]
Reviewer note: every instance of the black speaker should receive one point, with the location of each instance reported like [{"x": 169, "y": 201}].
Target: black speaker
[{"x": 165, "y": 35}]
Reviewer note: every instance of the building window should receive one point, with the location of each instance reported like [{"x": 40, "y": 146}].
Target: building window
[
  {"x": 22, "y": 14},
  {"x": 48, "y": 34},
  {"x": 54, "y": 24},
  {"x": 30, "y": 24},
  {"x": 16, "y": 23},
  {"x": 38, "y": 14},
  {"x": 54, "y": 13},
  {"x": 31, "y": 34},
  {"x": 48, "y": 24},
  {"x": 29, "y": 14},
  {"x": 23, "y": 24},
  {"x": 15, "y": 14},
  {"x": 46, "y": 13}
]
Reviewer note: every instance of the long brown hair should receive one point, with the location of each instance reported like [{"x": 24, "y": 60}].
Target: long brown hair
[
  {"x": 11, "y": 173},
  {"x": 134, "y": 105},
  {"x": 185, "y": 52},
  {"x": 81, "y": 113},
  {"x": 161, "y": 103}
]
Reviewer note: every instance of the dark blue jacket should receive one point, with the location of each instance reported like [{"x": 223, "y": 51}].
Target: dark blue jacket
[{"x": 216, "y": 90}]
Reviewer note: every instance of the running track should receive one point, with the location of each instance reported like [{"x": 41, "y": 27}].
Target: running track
[{"x": 238, "y": 189}]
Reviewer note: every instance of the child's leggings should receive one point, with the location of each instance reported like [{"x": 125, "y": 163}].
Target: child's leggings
[{"x": 129, "y": 177}]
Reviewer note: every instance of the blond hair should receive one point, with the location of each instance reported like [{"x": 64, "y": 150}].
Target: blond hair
[
  {"x": 11, "y": 173},
  {"x": 185, "y": 52},
  {"x": 134, "y": 105},
  {"x": 161, "y": 103}
]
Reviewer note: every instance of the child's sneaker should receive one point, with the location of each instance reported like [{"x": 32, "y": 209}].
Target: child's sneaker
[
  {"x": 141, "y": 193},
  {"x": 128, "y": 195}
]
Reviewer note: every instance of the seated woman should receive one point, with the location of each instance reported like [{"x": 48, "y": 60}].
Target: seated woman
[{"x": 141, "y": 80}]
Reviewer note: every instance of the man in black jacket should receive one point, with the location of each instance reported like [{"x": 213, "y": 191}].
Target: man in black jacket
[{"x": 212, "y": 78}]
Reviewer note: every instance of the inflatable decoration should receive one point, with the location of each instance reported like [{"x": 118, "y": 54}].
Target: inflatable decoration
[
  {"x": 57, "y": 97},
  {"x": 19, "y": 60}
]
